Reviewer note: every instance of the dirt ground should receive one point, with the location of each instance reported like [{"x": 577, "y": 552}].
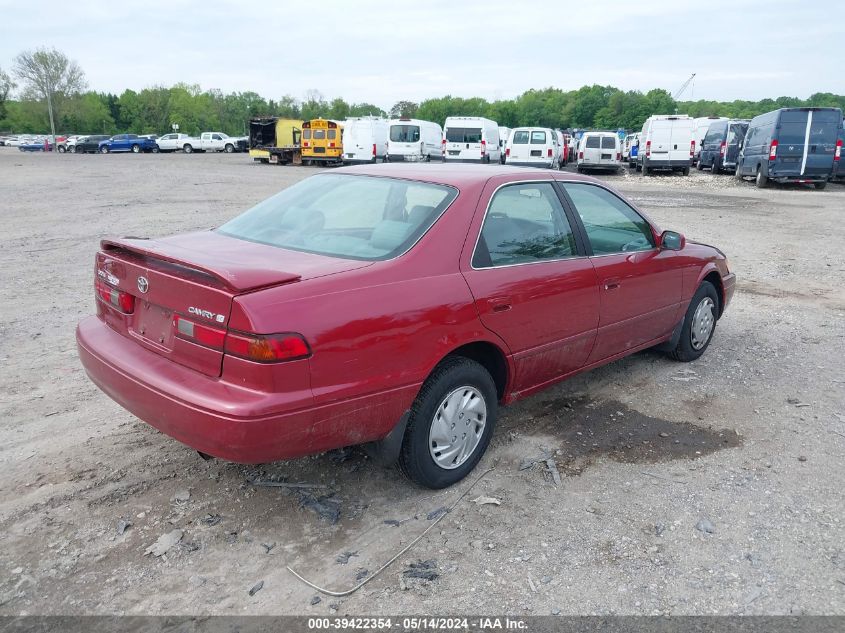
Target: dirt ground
[{"x": 715, "y": 487}]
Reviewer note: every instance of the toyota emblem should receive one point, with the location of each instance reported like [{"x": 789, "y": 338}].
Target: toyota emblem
[{"x": 143, "y": 284}]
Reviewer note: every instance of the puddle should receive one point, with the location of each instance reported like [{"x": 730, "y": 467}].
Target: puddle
[{"x": 589, "y": 429}]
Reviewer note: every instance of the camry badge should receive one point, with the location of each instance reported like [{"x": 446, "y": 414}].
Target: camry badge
[{"x": 143, "y": 284}]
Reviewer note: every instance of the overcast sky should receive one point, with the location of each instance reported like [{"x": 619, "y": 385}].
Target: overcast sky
[{"x": 381, "y": 52}]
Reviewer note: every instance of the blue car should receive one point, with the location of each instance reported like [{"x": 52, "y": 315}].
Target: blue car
[
  {"x": 36, "y": 147},
  {"x": 128, "y": 143}
]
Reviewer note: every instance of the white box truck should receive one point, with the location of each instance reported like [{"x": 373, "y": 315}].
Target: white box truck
[
  {"x": 666, "y": 143},
  {"x": 471, "y": 139},
  {"x": 364, "y": 139},
  {"x": 413, "y": 140}
]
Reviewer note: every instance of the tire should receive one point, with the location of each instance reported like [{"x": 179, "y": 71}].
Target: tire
[
  {"x": 155, "y": 149},
  {"x": 737, "y": 171},
  {"x": 188, "y": 149},
  {"x": 61, "y": 149},
  {"x": 821, "y": 185},
  {"x": 699, "y": 166},
  {"x": 686, "y": 171},
  {"x": 644, "y": 169},
  {"x": 761, "y": 180},
  {"x": 104, "y": 149},
  {"x": 72, "y": 149},
  {"x": 455, "y": 379},
  {"x": 229, "y": 149},
  {"x": 715, "y": 166},
  {"x": 698, "y": 328}
]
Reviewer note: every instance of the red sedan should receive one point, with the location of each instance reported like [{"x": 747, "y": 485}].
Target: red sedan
[{"x": 394, "y": 306}]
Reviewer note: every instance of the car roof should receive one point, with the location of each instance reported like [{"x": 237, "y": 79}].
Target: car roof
[{"x": 458, "y": 175}]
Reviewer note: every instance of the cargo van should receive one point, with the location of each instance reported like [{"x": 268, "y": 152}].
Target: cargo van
[
  {"x": 364, "y": 139},
  {"x": 413, "y": 140},
  {"x": 599, "y": 150},
  {"x": 504, "y": 135},
  {"x": 838, "y": 158},
  {"x": 471, "y": 139},
  {"x": 796, "y": 145},
  {"x": 720, "y": 148},
  {"x": 702, "y": 124},
  {"x": 533, "y": 147},
  {"x": 666, "y": 143},
  {"x": 629, "y": 149}
]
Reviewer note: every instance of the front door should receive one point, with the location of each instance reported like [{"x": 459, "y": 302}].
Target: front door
[
  {"x": 532, "y": 286},
  {"x": 640, "y": 285}
]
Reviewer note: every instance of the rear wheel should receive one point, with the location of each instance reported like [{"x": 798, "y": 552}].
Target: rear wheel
[
  {"x": 686, "y": 171},
  {"x": 699, "y": 324},
  {"x": 229, "y": 148},
  {"x": 62, "y": 149},
  {"x": 451, "y": 423},
  {"x": 136, "y": 149},
  {"x": 715, "y": 168},
  {"x": 155, "y": 149},
  {"x": 188, "y": 149},
  {"x": 699, "y": 165},
  {"x": 761, "y": 180},
  {"x": 644, "y": 169},
  {"x": 821, "y": 185},
  {"x": 72, "y": 149}
]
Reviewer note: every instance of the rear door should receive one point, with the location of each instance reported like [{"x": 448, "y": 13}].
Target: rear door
[
  {"x": 680, "y": 139},
  {"x": 608, "y": 150},
  {"x": 791, "y": 132},
  {"x": 824, "y": 127},
  {"x": 591, "y": 148},
  {"x": 464, "y": 143},
  {"x": 519, "y": 146},
  {"x": 661, "y": 139},
  {"x": 532, "y": 285},
  {"x": 736, "y": 134},
  {"x": 540, "y": 146}
]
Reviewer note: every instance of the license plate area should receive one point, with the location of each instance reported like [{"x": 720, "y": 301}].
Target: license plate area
[
  {"x": 454, "y": 152},
  {"x": 536, "y": 152},
  {"x": 606, "y": 156},
  {"x": 154, "y": 324}
]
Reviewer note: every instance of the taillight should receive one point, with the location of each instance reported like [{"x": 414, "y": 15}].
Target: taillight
[
  {"x": 267, "y": 348},
  {"x": 123, "y": 301},
  {"x": 722, "y": 148},
  {"x": 374, "y": 150},
  {"x": 331, "y": 144},
  {"x": 305, "y": 144},
  {"x": 773, "y": 149},
  {"x": 580, "y": 154},
  {"x": 618, "y": 156},
  {"x": 648, "y": 149},
  {"x": 483, "y": 147},
  {"x": 550, "y": 152},
  {"x": 508, "y": 152},
  {"x": 838, "y": 154},
  {"x": 199, "y": 332},
  {"x": 692, "y": 148}
]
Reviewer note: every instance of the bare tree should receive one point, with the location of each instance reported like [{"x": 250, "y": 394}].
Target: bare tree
[
  {"x": 6, "y": 85},
  {"x": 49, "y": 74}
]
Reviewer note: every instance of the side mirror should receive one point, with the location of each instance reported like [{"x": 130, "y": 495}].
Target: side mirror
[{"x": 672, "y": 241}]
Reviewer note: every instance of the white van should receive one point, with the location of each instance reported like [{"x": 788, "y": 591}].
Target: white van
[
  {"x": 533, "y": 147},
  {"x": 702, "y": 124},
  {"x": 666, "y": 143},
  {"x": 471, "y": 139},
  {"x": 599, "y": 150},
  {"x": 364, "y": 139},
  {"x": 630, "y": 146},
  {"x": 504, "y": 135},
  {"x": 414, "y": 140}
]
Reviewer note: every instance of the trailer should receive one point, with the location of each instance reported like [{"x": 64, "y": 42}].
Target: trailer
[{"x": 275, "y": 140}]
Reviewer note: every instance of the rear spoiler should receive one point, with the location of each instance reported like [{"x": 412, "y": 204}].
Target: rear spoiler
[{"x": 231, "y": 275}]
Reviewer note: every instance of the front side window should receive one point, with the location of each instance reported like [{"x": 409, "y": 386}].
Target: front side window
[
  {"x": 524, "y": 223},
  {"x": 538, "y": 138},
  {"x": 612, "y": 226},
  {"x": 354, "y": 217}
]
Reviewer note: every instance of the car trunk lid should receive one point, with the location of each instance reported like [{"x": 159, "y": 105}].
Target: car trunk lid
[{"x": 195, "y": 277}]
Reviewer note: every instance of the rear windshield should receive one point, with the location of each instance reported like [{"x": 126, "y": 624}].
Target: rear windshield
[
  {"x": 354, "y": 217},
  {"x": 318, "y": 134},
  {"x": 538, "y": 138},
  {"x": 593, "y": 142},
  {"x": 608, "y": 142},
  {"x": 520, "y": 137},
  {"x": 463, "y": 135},
  {"x": 404, "y": 133}
]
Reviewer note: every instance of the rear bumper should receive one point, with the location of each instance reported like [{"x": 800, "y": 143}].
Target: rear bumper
[
  {"x": 207, "y": 414},
  {"x": 402, "y": 158},
  {"x": 544, "y": 164},
  {"x": 667, "y": 163}
]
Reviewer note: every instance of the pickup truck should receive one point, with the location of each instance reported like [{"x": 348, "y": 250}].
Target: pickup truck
[
  {"x": 212, "y": 142},
  {"x": 172, "y": 142},
  {"x": 127, "y": 143}
]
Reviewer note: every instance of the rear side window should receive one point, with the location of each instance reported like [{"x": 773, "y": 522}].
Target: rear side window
[
  {"x": 608, "y": 142},
  {"x": 538, "y": 137},
  {"x": 612, "y": 226},
  {"x": 824, "y": 127},
  {"x": 524, "y": 223},
  {"x": 520, "y": 137},
  {"x": 354, "y": 217},
  {"x": 593, "y": 142}
]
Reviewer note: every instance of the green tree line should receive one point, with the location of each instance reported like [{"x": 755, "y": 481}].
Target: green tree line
[{"x": 154, "y": 110}]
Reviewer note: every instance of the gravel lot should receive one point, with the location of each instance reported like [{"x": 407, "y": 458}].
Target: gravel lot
[{"x": 714, "y": 487}]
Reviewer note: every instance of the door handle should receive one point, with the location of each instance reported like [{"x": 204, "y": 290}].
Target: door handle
[{"x": 611, "y": 284}]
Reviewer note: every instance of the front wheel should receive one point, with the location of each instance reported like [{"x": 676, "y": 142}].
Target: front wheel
[
  {"x": 699, "y": 324},
  {"x": 104, "y": 149},
  {"x": 155, "y": 149},
  {"x": 62, "y": 149},
  {"x": 136, "y": 149},
  {"x": 450, "y": 425},
  {"x": 229, "y": 148}
]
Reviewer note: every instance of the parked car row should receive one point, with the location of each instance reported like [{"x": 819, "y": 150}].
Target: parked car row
[{"x": 106, "y": 144}]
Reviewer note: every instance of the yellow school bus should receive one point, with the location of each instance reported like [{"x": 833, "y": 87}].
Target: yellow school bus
[{"x": 322, "y": 141}]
